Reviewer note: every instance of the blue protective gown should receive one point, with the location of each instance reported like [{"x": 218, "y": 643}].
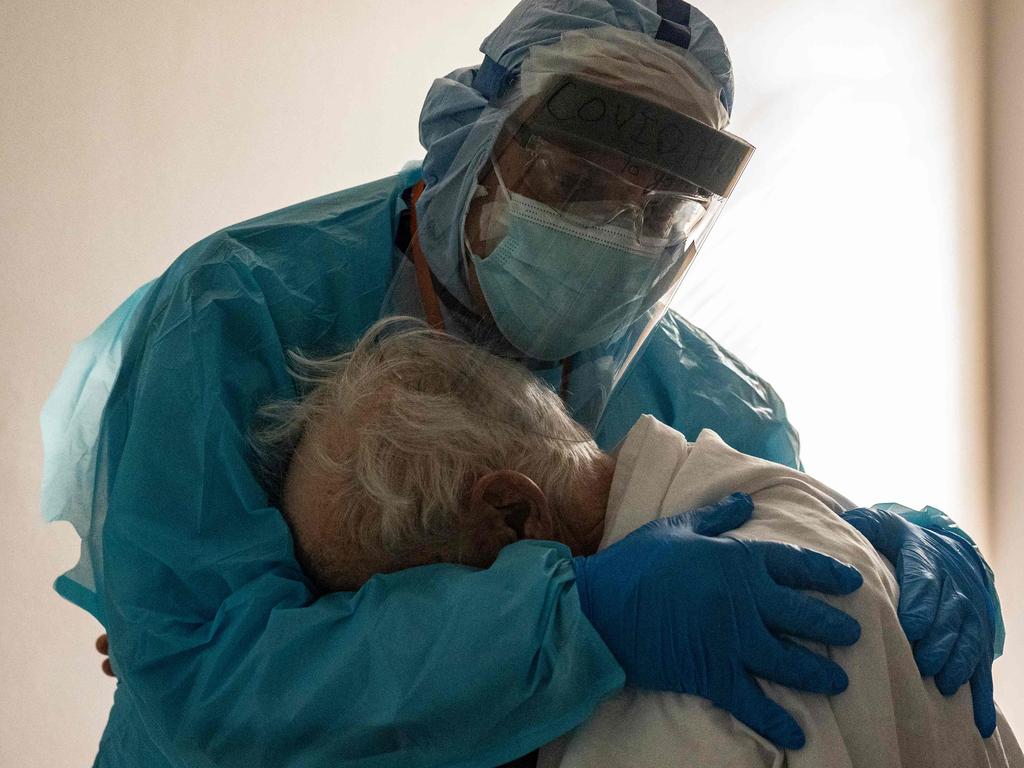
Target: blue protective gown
[{"x": 224, "y": 653}]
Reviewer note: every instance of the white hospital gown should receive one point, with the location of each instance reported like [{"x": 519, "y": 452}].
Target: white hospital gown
[{"x": 889, "y": 715}]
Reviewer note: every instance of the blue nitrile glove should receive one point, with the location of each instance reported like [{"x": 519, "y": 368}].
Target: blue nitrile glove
[
  {"x": 684, "y": 611},
  {"x": 944, "y": 608}
]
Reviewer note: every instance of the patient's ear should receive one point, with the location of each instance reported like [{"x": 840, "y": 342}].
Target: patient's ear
[{"x": 507, "y": 506}]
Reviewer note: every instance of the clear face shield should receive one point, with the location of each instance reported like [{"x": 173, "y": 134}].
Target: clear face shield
[{"x": 589, "y": 214}]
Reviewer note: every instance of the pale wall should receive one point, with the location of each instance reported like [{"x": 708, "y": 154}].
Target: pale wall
[
  {"x": 847, "y": 268},
  {"x": 1006, "y": 227}
]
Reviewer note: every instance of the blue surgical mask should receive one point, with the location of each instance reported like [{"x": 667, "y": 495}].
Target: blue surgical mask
[{"x": 555, "y": 288}]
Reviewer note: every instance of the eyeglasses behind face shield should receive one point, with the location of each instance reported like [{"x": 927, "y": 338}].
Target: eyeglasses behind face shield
[
  {"x": 661, "y": 210},
  {"x": 601, "y": 157}
]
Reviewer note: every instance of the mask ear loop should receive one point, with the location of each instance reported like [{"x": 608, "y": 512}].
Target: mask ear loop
[
  {"x": 478, "y": 192},
  {"x": 481, "y": 191},
  {"x": 496, "y": 167},
  {"x": 424, "y": 277}
]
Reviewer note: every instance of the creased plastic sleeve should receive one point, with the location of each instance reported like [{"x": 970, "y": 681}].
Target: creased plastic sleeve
[{"x": 435, "y": 666}]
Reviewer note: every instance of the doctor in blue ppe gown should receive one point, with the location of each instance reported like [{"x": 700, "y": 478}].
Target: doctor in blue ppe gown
[{"x": 225, "y": 652}]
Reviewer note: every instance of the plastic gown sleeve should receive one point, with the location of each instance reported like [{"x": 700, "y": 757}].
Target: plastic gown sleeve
[{"x": 227, "y": 656}]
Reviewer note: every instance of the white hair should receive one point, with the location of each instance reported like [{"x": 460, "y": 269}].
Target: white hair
[{"x": 392, "y": 437}]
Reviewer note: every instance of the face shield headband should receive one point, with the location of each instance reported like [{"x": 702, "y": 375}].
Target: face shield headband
[{"x": 578, "y": 111}]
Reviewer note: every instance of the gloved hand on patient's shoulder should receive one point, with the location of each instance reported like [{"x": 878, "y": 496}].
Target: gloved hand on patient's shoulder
[
  {"x": 945, "y": 607},
  {"x": 685, "y": 610}
]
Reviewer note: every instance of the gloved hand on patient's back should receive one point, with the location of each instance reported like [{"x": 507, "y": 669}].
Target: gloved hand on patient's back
[
  {"x": 683, "y": 610},
  {"x": 704, "y": 624},
  {"x": 952, "y": 638},
  {"x": 949, "y": 620}
]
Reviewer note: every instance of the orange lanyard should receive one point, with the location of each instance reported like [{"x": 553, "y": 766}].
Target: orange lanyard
[
  {"x": 428, "y": 296},
  {"x": 424, "y": 280}
]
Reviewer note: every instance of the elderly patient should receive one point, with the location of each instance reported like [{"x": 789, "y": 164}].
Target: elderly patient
[{"x": 418, "y": 448}]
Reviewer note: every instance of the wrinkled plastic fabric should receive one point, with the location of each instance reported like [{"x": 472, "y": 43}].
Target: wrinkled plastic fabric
[
  {"x": 220, "y": 645},
  {"x": 657, "y": 72},
  {"x": 70, "y": 422}
]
